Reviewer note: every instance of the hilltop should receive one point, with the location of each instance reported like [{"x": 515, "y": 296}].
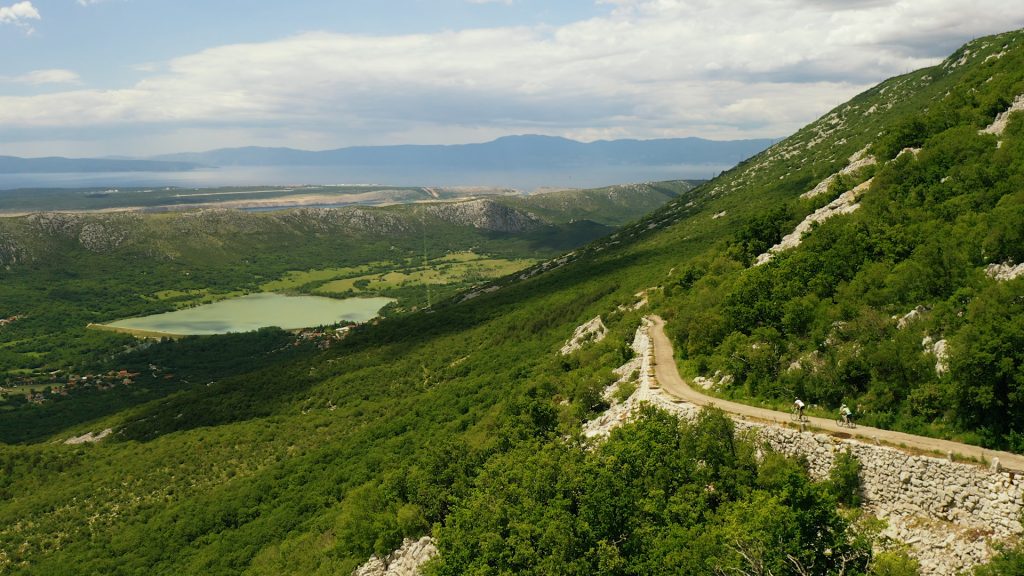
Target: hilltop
[{"x": 831, "y": 266}]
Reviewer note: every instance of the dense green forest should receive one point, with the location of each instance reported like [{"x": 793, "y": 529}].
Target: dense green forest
[{"x": 464, "y": 421}]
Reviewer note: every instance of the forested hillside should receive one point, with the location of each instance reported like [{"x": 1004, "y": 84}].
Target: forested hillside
[{"x": 465, "y": 422}]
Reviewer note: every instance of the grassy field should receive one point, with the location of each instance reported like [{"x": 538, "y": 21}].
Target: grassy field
[
  {"x": 461, "y": 267},
  {"x": 296, "y": 279}
]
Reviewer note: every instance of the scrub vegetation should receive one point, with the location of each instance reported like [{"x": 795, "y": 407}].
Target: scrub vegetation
[{"x": 464, "y": 422}]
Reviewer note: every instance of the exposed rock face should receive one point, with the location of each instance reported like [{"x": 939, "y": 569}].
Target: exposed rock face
[
  {"x": 845, "y": 204},
  {"x": 484, "y": 214},
  {"x": 55, "y": 223},
  {"x": 948, "y": 513},
  {"x": 89, "y": 437},
  {"x": 941, "y": 351},
  {"x": 717, "y": 381},
  {"x": 999, "y": 124},
  {"x": 96, "y": 233},
  {"x": 406, "y": 561},
  {"x": 1005, "y": 271},
  {"x": 593, "y": 330},
  {"x": 908, "y": 318},
  {"x": 859, "y": 160},
  {"x": 11, "y": 252}
]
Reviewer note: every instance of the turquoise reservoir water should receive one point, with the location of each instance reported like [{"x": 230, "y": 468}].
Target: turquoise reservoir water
[{"x": 256, "y": 311}]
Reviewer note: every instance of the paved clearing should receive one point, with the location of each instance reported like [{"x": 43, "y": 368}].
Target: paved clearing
[{"x": 667, "y": 374}]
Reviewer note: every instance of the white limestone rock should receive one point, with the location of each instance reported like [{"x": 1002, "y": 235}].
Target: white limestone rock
[
  {"x": 1005, "y": 271},
  {"x": 592, "y": 330},
  {"x": 89, "y": 437},
  {"x": 999, "y": 124},
  {"x": 845, "y": 204},
  {"x": 406, "y": 561},
  {"x": 859, "y": 160},
  {"x": 908, "y": 318}
]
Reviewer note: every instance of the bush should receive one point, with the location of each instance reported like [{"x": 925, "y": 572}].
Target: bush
[{"x": 844, "y": 479}]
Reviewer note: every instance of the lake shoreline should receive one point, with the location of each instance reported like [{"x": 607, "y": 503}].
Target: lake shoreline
[{"x": 249, "y": 313}]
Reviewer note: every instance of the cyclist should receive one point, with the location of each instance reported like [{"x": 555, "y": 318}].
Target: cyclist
[
  {"x": 798, "y": 407},
  {"x": 844, "y": 412}
]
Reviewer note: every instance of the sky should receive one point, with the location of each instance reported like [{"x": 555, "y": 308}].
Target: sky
[{"x": 91, "y": 78}]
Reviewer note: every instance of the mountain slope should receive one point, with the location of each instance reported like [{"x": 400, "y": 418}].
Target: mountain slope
[{"x": 458, "y": 418}]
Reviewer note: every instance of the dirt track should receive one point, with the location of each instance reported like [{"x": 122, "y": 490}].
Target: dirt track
[{"x": 667, "y": 374}]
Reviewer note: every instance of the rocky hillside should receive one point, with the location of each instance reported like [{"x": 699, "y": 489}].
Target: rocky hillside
[
  {"x": 465, "y": 422},
  {"x": 34, "y": 237},
  {"x": 170, "y": 235},
  {"x": 905, "y": 199}
]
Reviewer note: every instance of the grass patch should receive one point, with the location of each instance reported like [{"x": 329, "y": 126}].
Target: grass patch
[
  {"x": 296, "y": 279},
  {"x": 459, "y": 268}
]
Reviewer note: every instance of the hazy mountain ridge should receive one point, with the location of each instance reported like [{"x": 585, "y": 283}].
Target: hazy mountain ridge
[{"x": 510, "y": 152}]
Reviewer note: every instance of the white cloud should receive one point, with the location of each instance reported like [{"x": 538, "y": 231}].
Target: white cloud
[
  {"x": 19, "y": 14},
  {"x": 650, "y": 68},
  {"x": 49, "y": 76}
]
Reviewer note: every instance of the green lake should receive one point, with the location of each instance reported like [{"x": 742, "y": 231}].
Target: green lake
[{"x": 255, "y": 311}]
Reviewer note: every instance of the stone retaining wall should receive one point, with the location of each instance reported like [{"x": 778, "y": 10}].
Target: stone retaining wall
[{"x": 948, "y": 513}]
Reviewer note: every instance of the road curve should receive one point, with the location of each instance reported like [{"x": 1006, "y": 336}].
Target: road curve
[{"x": 667, "y": 374}]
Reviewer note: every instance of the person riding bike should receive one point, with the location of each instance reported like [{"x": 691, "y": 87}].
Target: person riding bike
[
  {"x": 844, "y": 412},
  {"x": 798, "y": 406}
]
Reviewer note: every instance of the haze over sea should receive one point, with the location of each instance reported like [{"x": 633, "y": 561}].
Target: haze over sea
[{"x": 526, "y": 181}]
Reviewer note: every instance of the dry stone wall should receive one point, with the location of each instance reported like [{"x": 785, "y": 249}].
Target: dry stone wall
[{"x": 948, "y": 513}]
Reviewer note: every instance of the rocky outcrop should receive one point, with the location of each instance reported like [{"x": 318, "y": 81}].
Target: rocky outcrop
[
  {"x": 89, "y": 437},
  {"x": 940, "y": 349},
  {"x": 1005, "y": 271},
  {"x": 11, "y": 252},
  {"x": 406, "y": 561},
  {"x": 845, "y": 204},
  {"x": 910, "y": 317},
  {"x": 860, "y": 159},
  {"x": 999, "y": 124},
  {"x": 593, "y": 330},
  {"x": 484, "y": 214},
  {"x": 715, "y": 382}
]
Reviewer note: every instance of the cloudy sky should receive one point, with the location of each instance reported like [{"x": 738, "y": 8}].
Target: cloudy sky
[{"x": 137, "y": 77}]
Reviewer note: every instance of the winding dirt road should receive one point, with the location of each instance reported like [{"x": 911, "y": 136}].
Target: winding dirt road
[{"x": 667, "y": 374}]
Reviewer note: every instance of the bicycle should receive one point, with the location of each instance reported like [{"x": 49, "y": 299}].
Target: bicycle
[
  {"x": 846, "y": 422},
  {"x": 796, "y": 416}
]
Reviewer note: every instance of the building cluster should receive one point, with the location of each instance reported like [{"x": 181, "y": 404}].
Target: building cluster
[
  {"x": 323, "y": 338},
  {"x": 53, "y": 386}
]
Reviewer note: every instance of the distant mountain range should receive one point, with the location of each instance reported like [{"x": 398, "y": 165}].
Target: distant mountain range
[
  {"x": 507, "y": 153},
  {"x": 528, "y": 152}
]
